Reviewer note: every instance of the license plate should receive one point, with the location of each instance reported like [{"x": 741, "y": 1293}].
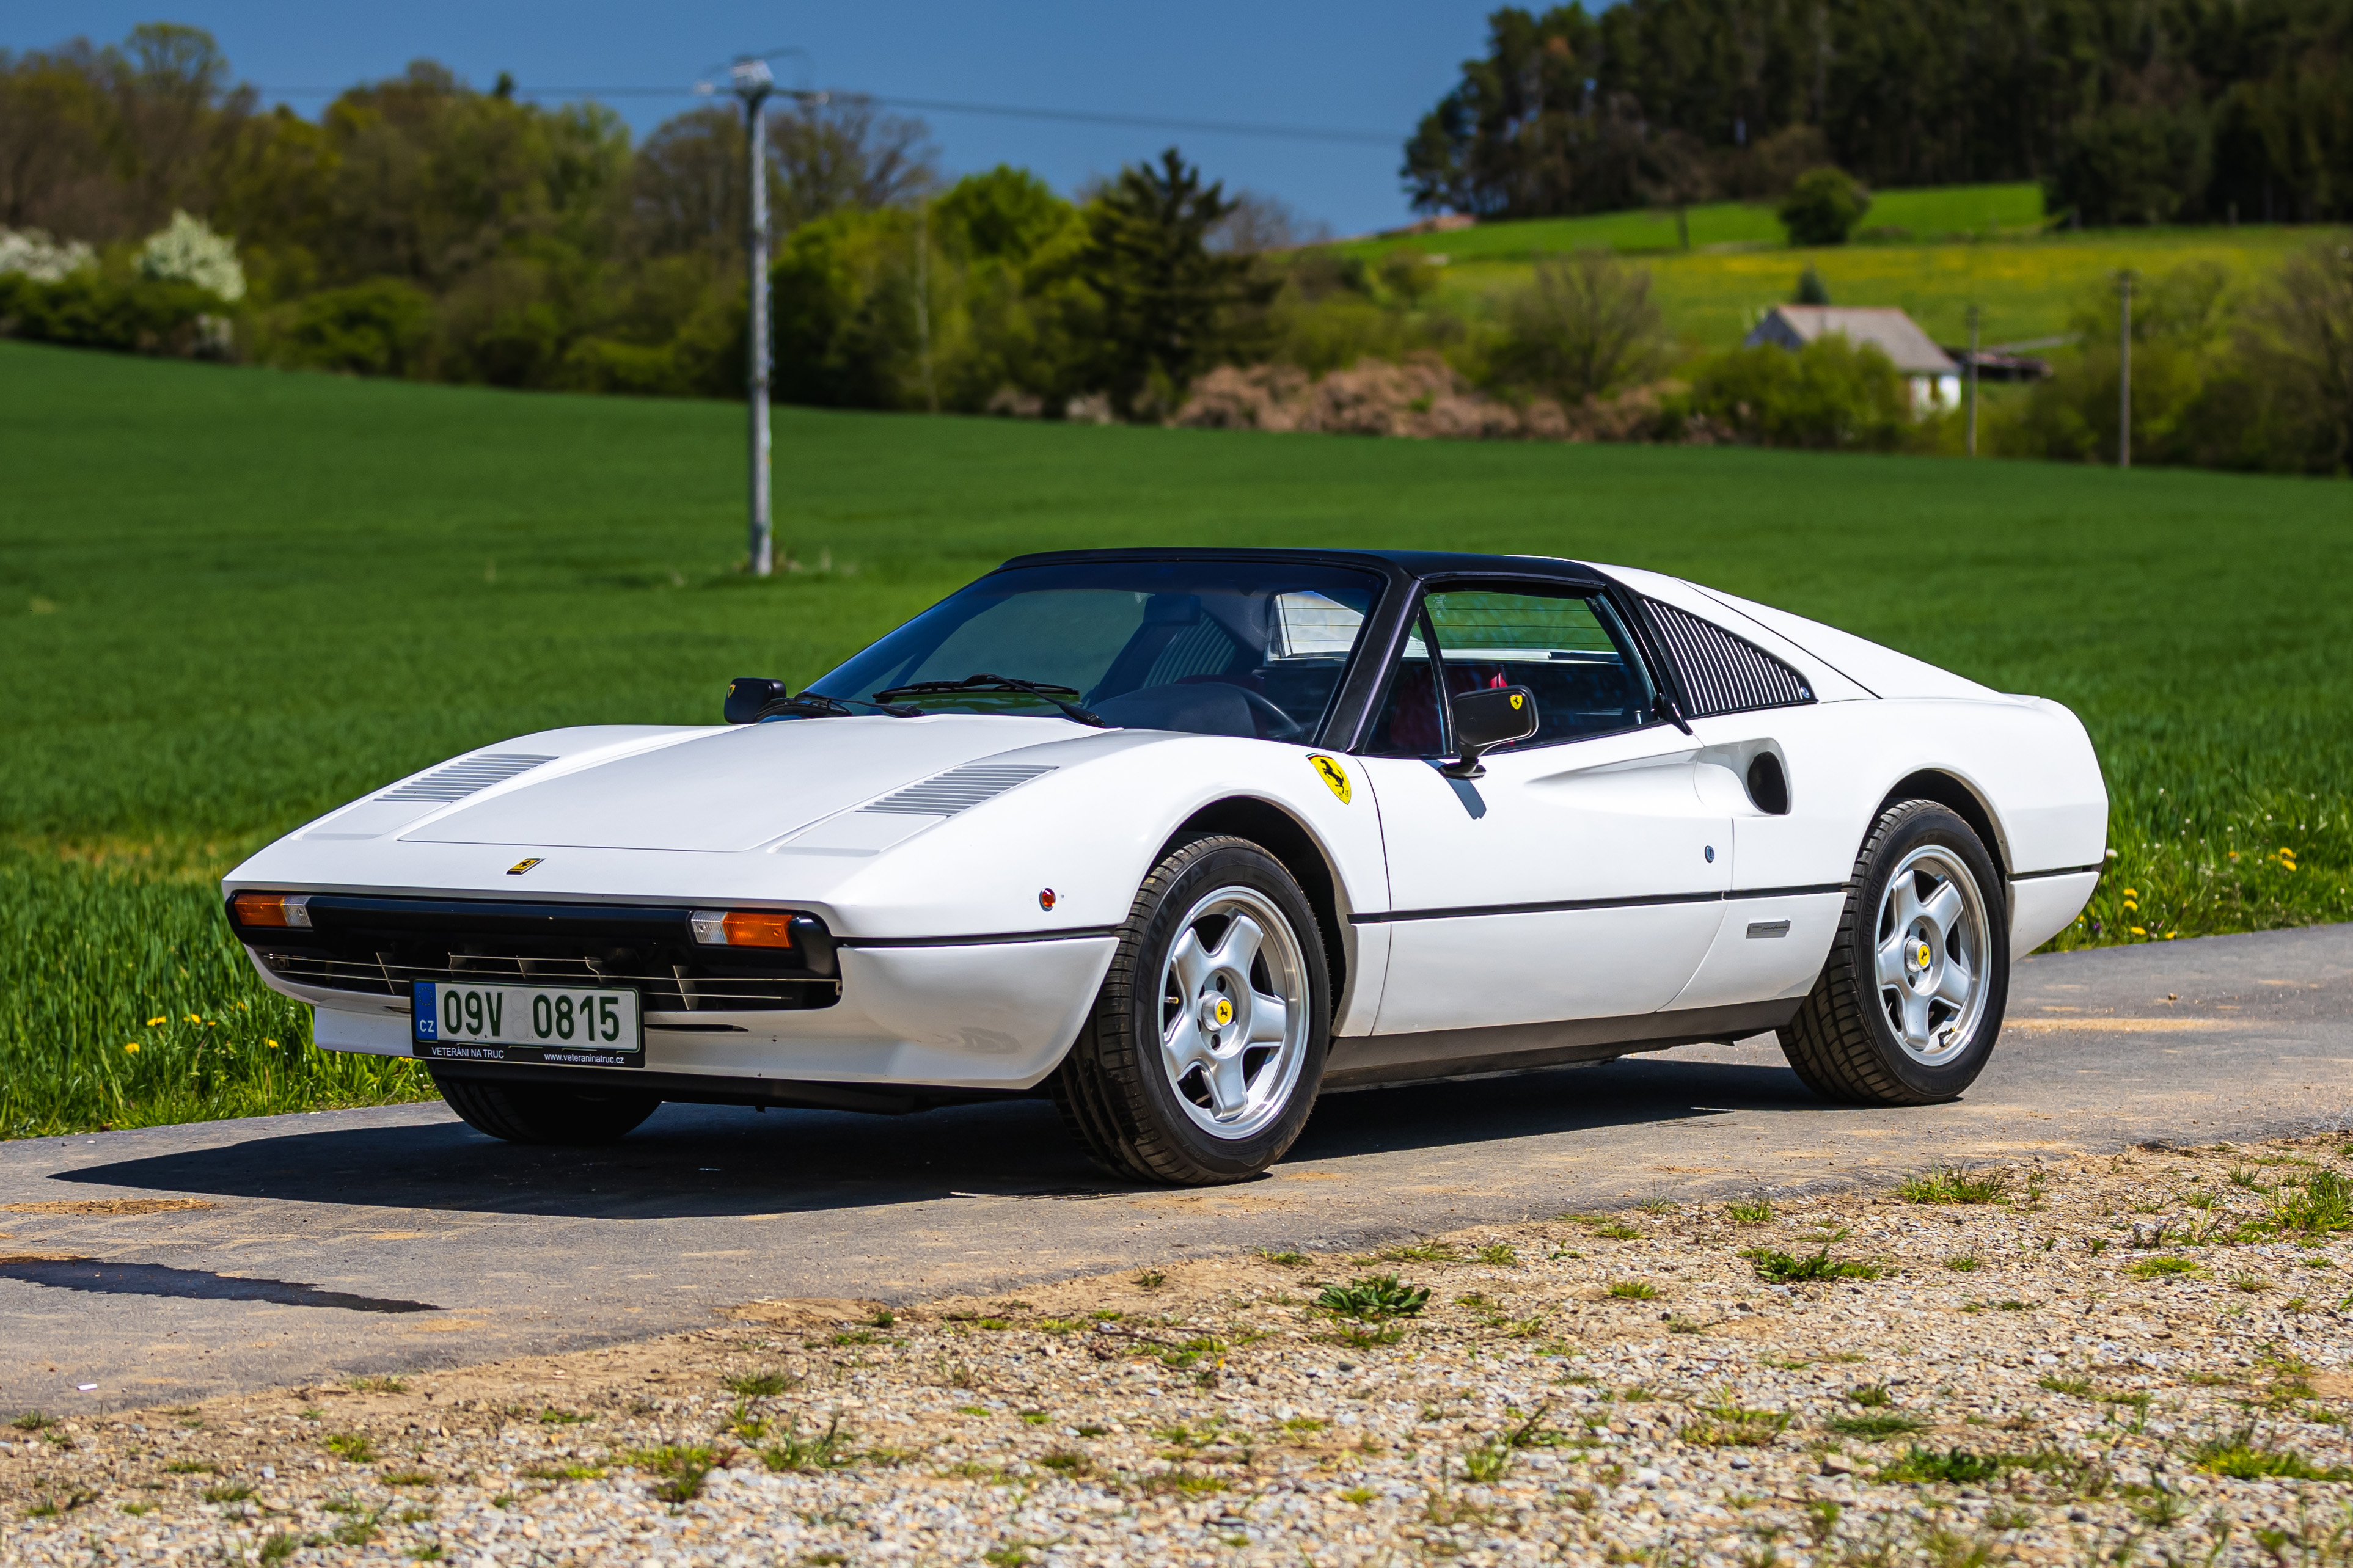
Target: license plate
[{"x": 569, "y": 1026}]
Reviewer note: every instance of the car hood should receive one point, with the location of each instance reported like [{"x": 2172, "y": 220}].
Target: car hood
[{"x": 734, "y": 789}]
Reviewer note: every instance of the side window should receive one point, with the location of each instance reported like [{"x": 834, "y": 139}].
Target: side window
[
  {"x": 1567, "y": 648},
  {"x": 1410, "y": 724}
]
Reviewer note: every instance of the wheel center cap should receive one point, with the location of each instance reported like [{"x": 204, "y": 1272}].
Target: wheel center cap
[
  {"x": 1921, "y": 956},
  {"x": 1216, "y": 1012}
]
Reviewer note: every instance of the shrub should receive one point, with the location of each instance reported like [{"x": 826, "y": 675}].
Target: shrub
[
  {"x": 188, "y": 251},
  {"x": 1827, "y": 397},
  {"x": 375, "y": 328},
  {"x": 32, "y": 253},
  {"x": 2298, "y": 342},
  {"x": 1823, "y": 206},
  {"x": 1585, "y": 326},
  {"x": 95, "y": 309}
]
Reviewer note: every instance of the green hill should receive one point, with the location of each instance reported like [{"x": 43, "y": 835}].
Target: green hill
[
  {"x": 1960, "y": 244},
  {"x": 231, "y": 598}
]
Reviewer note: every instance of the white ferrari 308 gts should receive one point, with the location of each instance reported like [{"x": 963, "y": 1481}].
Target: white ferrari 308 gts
[{"x": 1183, "y": 839}]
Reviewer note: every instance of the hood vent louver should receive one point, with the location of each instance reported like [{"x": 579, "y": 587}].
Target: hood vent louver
[
  {"x": 465, "y": 777},
  {"x": 958, "y": 789}
]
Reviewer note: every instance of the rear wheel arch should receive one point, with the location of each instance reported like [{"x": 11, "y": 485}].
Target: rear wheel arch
[
  {"x": 1299, "y": 851},
  {"x": 1958, "y": 796}
]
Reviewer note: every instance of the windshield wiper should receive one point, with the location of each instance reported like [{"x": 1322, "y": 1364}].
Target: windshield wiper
[
  {"x": 1046, "y": 689},
  {"x": 817, "y": 705}
]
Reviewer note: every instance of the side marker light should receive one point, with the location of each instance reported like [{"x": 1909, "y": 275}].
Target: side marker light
[{"x": 1045, "y": 898}]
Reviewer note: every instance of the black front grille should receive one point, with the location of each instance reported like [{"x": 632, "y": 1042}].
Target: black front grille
[
  {"x": 376, "y": 947},
  {"x": 1722, "y": 673}
]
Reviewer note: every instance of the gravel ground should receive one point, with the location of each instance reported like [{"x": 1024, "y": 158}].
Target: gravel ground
[{"x": 2139, "y": 1357}]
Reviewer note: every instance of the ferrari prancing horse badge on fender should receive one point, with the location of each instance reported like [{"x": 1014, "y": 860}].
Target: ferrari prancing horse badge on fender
[{"x": 1333, "y": 775}]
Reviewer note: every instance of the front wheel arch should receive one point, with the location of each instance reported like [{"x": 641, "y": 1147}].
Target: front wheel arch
[{"x": 1297, "y": 851}]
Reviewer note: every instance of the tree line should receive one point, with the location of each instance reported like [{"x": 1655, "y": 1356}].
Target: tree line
[
  {"x": 419, "y": 227},
  {"x": 2127, "y": 110}
]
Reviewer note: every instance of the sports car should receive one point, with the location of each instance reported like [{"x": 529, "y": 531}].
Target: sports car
[{"x": 1184, "y": 839}]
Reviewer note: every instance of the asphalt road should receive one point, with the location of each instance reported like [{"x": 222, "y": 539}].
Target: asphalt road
[{"x": 171, "y": 1263}]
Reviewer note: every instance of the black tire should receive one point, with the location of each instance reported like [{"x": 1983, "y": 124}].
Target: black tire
[
  {"x": 1843, "y": 1042},
  {"x": 1113, "y": 1090},
  {"x": 547, "y": 1113}
]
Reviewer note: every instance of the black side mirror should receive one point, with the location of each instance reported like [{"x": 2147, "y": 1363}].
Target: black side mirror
[
  {"x": 1485, "y": 719},
  {"x": 748, "y": 694}
]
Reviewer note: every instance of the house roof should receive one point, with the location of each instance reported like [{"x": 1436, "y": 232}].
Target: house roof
[{"x": 1895, "y": 335}]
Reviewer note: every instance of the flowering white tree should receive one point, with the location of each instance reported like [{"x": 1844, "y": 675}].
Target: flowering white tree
[
  {"x": 190, "y": 252},
  {"x": 33, "y": 253}
]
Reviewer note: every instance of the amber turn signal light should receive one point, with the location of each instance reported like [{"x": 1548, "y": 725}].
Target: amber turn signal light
[
  {"x": 272, "y": 910},
  {"x": 744, "y": 928}
]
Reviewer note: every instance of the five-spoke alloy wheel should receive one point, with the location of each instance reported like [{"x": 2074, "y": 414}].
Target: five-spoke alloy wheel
[
  {"x": 1911, "y": 999},
  {"x": 1930, "y": 953},
  {"x": 1234, "y": 1012},
  {"x": 1206, "y": 1048}
]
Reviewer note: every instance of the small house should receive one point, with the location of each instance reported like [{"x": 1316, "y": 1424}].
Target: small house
[{"x": 1935, "y": 378}]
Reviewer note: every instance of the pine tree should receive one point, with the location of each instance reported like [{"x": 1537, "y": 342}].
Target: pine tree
[{"x": 1165, "y": 294}]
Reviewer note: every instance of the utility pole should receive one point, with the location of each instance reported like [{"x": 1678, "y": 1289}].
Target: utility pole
[
  {"x": 1973, "y": 381},
  {"x": 2124, "y": 363},
  {"x": 924, "y": 298},
  {"x": 753, "y": 82}
]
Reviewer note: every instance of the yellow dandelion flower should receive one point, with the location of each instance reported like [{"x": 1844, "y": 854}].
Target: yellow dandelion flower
[
  {"x": 152, "y": 1022},
  {"x": 2138, "y": 932},
  {"x": 196, "y": 1018},
  {"x": 272, "y": 1044},
  {"x": 2131, "y": 905},
  {"x": 132, "y": 1047},
  {"x": 2132, "y": 893}
]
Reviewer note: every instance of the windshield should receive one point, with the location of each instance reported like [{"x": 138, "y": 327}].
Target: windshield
[{"x": 1216, "y": 647}]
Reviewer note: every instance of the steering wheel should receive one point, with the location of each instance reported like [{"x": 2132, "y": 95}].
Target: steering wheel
[{"x": 1274, "y": 723}]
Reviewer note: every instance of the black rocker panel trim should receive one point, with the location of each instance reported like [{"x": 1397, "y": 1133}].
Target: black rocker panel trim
[
  {"x": 1389, "y": 917},
  {"x": 1369, "y": 1061}
]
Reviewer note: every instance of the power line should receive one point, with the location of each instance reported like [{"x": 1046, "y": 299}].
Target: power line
[
  {"x": 1148, "y": 121},
  {"x": 946, "y": 106}
]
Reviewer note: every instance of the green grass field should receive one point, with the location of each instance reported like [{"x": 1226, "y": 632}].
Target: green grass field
[
  {"x": 232, "y": 598},
  {"x": 1942, "y": 212},
  {"x": 1971, "y": 245}
]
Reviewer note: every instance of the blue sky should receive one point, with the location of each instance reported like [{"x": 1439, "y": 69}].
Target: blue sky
[{"x": 1373, "y": 65}]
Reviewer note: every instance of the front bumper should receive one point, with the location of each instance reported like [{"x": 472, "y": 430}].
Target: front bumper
[{"x": 992, "y": 1016}]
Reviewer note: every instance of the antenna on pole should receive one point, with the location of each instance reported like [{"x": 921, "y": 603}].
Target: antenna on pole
[{"x": 2124, "y": 368}]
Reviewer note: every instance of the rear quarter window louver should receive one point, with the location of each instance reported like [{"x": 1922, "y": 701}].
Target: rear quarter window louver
[
  {"x": 1722, "y": 673},
  {"x": 462, "y": 778},
  {"x": 958, "y": 789}
]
